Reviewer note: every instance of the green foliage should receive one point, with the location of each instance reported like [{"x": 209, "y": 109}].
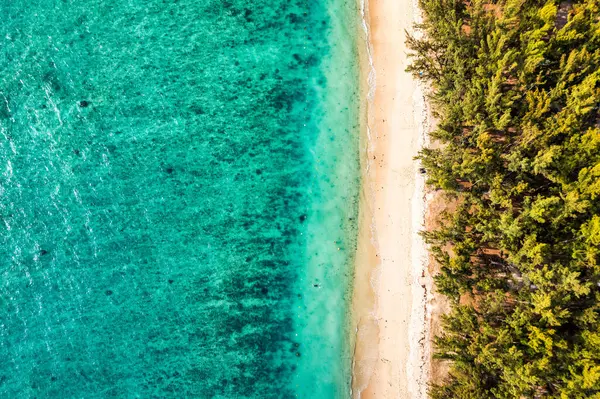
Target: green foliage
[{"x": 517, "y": 96}]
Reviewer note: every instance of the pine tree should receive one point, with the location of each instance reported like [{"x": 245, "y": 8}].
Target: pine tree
[{"x": 517, "y": 96}]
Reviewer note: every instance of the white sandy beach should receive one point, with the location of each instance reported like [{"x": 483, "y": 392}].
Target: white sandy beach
[{"x": 389, "y": 300}]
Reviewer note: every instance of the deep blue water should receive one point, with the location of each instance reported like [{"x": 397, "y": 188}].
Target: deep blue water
[{"x": 178, "y": 189}]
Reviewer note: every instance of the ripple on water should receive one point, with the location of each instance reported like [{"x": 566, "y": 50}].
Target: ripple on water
[{"x": 170, "y": 173}]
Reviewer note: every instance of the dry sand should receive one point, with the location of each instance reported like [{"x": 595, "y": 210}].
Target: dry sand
[{"x": 391, "y": 352}]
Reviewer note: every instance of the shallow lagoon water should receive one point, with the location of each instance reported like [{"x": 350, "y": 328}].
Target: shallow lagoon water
[{"x": 178, "y": 193}]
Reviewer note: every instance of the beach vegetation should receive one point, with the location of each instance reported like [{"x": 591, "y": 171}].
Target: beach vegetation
[{"x": 515, "y": 89}]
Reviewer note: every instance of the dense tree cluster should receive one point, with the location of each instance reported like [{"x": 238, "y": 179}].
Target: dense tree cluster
[{"x": 516, "y": 89}]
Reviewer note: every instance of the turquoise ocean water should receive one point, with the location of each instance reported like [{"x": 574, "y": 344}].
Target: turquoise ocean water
[{"x": 178, "y": 191}]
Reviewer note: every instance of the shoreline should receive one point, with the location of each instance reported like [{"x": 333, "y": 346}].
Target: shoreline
[{"x": 391, "y": 348}]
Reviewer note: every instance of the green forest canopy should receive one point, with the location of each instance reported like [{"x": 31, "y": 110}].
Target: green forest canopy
[{"x": 515, "y": 88}]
